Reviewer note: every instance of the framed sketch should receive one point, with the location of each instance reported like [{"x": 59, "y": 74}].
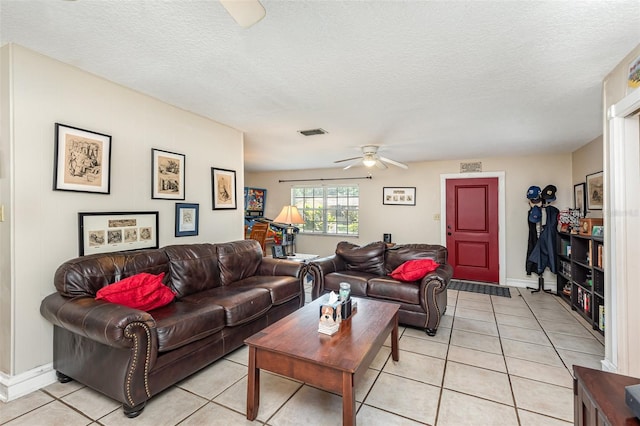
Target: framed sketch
[
  {"x": 82, "y": 160},
  {"x": 403, "y": 196},
  {"x": 595, "y": 191},
  {"x": 579, "y": 200},
  {"x": 167, "y": 175},
  {"x": 223, "y": 188},
  {"x": 117, "y": 231},
  {"x": 187, "y": 219}
]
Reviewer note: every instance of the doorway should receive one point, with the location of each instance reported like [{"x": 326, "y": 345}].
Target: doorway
[{"x": 473, "y": 225}]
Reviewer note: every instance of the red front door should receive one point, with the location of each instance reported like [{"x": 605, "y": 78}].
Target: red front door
[{"x": 472, "y": 228}]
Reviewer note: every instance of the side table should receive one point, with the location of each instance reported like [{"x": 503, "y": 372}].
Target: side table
[{"x": 598, "y": 398}]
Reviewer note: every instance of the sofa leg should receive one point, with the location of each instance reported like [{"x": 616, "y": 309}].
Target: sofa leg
[
  {"x": 63, "y": 378},
  {"x": 430, "y": 331},
  {"x": 134, "y": 411}
]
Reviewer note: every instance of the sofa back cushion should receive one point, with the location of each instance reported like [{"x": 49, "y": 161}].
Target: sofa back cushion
[
  {"x": 84, "y": 276},
  {"x": 238, "y": 260},
  {"x": 194, "y": 268},
  {"x": 369, "y": 258},
  {"x": 399, "y": 254}
]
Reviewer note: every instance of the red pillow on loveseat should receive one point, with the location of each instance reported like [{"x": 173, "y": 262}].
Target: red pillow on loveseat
[
  {"x": 141, "y": 291},
  {"x": 414, "y": 270}
]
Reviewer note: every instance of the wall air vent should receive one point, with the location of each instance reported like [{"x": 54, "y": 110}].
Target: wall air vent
[{"x": 312, "y": 132}]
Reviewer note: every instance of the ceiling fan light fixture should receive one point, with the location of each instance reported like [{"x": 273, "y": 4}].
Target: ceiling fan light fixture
[{"x": 369, "y": 160}]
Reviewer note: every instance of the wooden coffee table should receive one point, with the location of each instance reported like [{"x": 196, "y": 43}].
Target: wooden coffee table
[{"x": 293, "y": 347}]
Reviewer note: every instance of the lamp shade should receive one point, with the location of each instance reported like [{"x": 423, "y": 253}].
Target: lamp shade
[{"x": 289, "y": 215}]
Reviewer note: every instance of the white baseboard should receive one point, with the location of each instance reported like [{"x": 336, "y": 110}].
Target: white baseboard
[
  {"x": 13, "y": 387},
  {"x": 609, "y": 366},
  {"x": 532, "y": 283}
]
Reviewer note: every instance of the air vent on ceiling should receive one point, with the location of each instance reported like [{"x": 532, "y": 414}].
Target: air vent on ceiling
[{"x": 312, "y": 132}]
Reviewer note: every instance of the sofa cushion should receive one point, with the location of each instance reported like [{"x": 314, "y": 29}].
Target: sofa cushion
[
  {"x": 357, "y": 280},
  {"x": 369, "y": 258},
  {"x": 194, "y": 267},
  {"x": 414, "y": 270},
  {"x": 181, "y": 323},
  {"x": 281, "y": 288},
  {"x": 141, "y": 291},
  {"x": 238, "y": 260},
  {"x": 241, "y": 304},
  {"x": 389, "y": 289},
  {"x": 399, "y": 254}
]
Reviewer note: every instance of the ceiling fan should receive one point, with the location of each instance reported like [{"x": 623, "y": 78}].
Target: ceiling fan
[
  {"x": 245, "y": 12},
  {"x": 370, "y": 158}
]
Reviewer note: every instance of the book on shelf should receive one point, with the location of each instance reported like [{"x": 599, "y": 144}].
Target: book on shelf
[{"x": 601, "y": 317}]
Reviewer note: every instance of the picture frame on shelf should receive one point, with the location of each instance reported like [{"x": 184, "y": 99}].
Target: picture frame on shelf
[
  {"x": 82, "y": 160},
  {"x": 167, "y": 175},
  {"x": 597, "y": 231},
  {"x": 117, "y": 231},
  {"x": 223, "y": 189},
  {"x": 595, "y": 191},
  {"x": 402, "y": 196},
  {"x": 579, "y": 198},
  {"x": 187, "y": 219}
]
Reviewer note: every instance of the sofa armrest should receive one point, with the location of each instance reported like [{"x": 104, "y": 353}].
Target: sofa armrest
[
  {"x": 282, "y": 267},
  {"x": 433, "y": 295},
  {"x": 319, "y": 268},
  {"x": 108, "y": 323}
]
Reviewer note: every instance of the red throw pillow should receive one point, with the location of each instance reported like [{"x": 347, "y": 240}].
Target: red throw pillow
[
  {"x": 414, "y": 270},
  {"x": 141, "y": 291}
]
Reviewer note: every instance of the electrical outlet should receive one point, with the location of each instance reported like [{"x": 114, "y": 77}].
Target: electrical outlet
[{"x": 436, "y": 216}]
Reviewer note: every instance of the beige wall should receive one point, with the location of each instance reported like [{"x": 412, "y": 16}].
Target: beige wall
[
  {"x": 41, "y": 226},
  {"x": 410, "y": 224},
  {"x": 585, "y": 161}
]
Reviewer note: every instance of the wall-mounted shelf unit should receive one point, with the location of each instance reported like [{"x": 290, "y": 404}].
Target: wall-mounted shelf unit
[{"x": 580, "y": 276}]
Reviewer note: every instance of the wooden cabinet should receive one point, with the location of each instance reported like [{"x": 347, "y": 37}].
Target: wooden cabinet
[
  {"x": 598, "y": 398},
  {"x": 580, "y": 276}
]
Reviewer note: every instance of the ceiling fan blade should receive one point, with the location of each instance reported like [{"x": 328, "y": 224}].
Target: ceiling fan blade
[
  {"x": 381, "y": 165},
  {"x": 245, "y": 12},
  {"x": 355, "y": 163},
  {"x": 395, "y": 163},
  {"x": 347, "y": 159}
]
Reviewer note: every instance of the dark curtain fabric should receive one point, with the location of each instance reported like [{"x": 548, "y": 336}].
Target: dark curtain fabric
[
  {"x": 544, "y": 251},
  {"x": 533, "y": 240}
]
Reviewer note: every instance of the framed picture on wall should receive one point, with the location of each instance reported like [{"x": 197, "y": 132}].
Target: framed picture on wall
[
  {"x": 82, "y": 160},
  {"x": 223, "y": 188},
  {"x": 579, "y": 199},
  {"x": 187, "y": 217},
  {"x": 117, "y": 231},
  {"x": 595, "y": 191},
  {"x": 403, "y": 196},
  {"x": 167, "y": 175}
]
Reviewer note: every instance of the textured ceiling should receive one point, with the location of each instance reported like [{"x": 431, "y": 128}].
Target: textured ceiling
[{"x": 427, "y": 80}]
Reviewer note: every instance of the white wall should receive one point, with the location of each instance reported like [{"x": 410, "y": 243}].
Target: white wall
[
  {"x": 41, "y": 227},
  {"x": 410, "y": 224}
]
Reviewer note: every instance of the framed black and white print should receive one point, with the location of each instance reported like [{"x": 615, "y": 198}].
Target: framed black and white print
[
  {"x": 82, "y": 160},
  {"x": 579, "y": 198},
  {"x": 187, "y": 218},
  {"x": 595, "y": 191},
  {"x": 223, "y": 188},
  {"x": 117, "y": 231},
  {"x": 403, "y": 196},
  {"x": 167, "y": 175}
]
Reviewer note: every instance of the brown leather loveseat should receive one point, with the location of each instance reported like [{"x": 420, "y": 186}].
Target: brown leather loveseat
[
  {"x": 224, "y": 293},
  {"x": 422, "y": 302}
]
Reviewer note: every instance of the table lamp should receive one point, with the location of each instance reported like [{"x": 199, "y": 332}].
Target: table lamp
[{"x": 290, "y": 216}]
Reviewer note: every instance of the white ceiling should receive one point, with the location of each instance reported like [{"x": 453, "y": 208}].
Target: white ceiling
[{"x": 427, "y": 80}]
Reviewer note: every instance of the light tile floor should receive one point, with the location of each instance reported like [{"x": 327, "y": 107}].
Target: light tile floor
[{"x": 494, "y": 361}]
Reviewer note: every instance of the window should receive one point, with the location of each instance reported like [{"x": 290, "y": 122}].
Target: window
[{"x": 329, "y": 210}]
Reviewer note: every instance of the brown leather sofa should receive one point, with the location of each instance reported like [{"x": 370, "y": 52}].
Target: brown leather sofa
[
  {"x": 225, "y": 293},
  {"x": 367, "y": 268}
]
